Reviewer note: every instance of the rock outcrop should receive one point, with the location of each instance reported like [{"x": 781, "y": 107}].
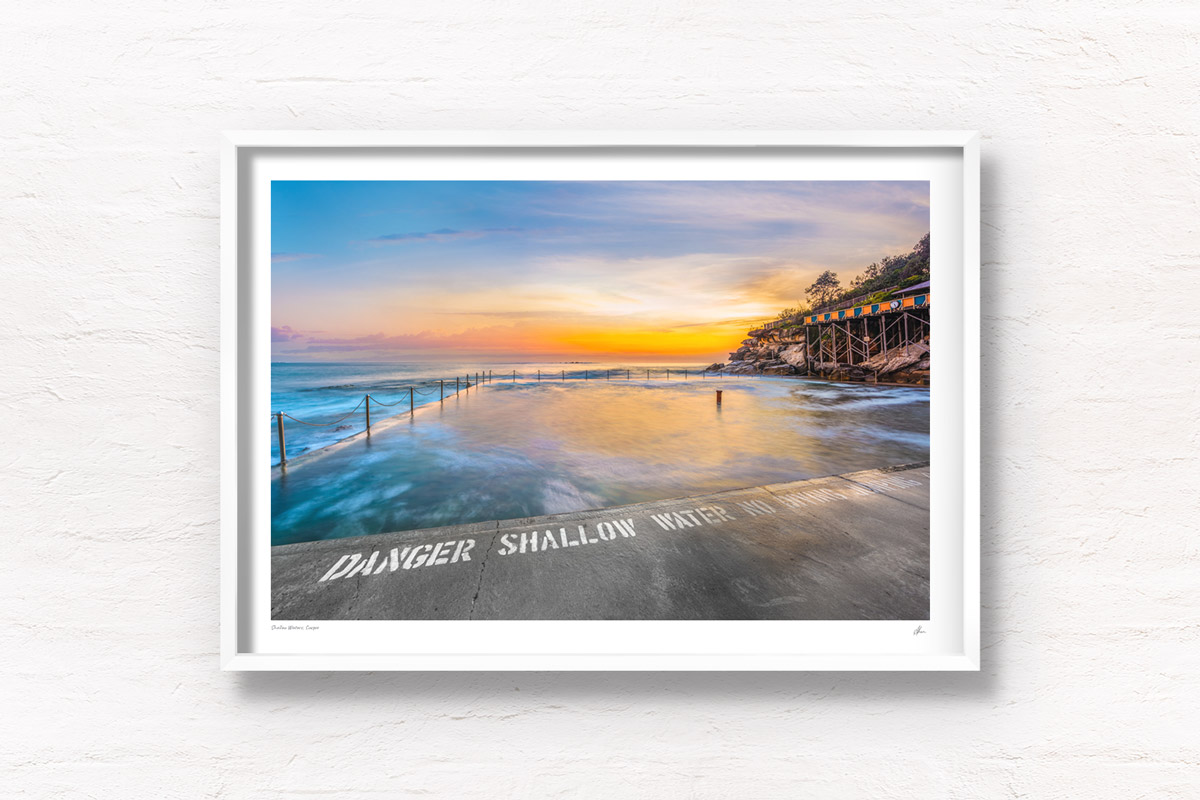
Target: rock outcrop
[
  {"x": 756, "y": 356},
  {"x": 897, "y": 358},
  {"x": 797, "y": 356}
]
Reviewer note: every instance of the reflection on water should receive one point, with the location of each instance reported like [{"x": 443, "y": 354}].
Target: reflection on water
[
  {"x": 323, "y": 392},
  {"x": 515, "y": 450}
]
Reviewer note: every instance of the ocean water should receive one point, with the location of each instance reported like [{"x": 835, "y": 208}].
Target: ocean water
[
  {"x": 328, "y": 392},
  {"x": 515, "y": 448}
]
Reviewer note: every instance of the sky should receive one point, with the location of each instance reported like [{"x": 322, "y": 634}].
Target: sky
[{"x": 602, "y": 271}]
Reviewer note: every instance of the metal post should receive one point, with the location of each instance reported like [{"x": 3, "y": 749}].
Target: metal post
[
  {"x": 647, "y": 374},
  {"x": 514, "y": 376},
  {"x": 456, "y": 390},
  {"x": 282, "y": 447},
  {"x": 685, "y": 374},
  {"x": 718, "y": 397},
  {"x": 585, "y": 374},
  {"x": 367, "y": 400},
  {"x": 441, "y": 391},
  {"x": 564, "y": 375},
  {"x": 626, "y": 374},
  {"x": 668, "y": 373},
  {"x": 410, "y": 400},
  {"x": 539, "y": 376}
]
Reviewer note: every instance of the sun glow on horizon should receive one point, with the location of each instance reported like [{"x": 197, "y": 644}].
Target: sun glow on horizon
[{"x": 397, "y": 270}]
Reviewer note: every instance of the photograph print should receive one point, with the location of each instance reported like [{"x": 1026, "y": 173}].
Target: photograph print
[{"x": 600, "y": 400}]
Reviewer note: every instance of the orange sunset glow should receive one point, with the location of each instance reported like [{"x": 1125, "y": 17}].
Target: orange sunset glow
[{"x": 522, "y": 271}]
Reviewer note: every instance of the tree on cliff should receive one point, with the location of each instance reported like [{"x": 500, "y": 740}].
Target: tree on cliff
[
  {"x": 876, "y": 283},
  {"x": 826, "y": 288},
  {"x": 888, "y": 274}
]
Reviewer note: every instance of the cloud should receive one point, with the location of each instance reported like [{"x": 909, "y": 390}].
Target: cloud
[
  {"x": 283, "y": 258},
  {"x": 543, "y": 314},
  {"x": 819, "y": 219},
  {"x": 285, "y": 334},
  {"x": 440, "y": 235},
  {"x": 734, "y": 322},
  {"x": 483, "y": 338}
]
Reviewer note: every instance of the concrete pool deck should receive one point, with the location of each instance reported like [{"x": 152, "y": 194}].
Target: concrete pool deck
[{"x": 844, "y": 547}]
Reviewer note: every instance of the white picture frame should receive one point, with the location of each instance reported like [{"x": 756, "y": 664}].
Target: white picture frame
[{"x": 949, "y": 640}]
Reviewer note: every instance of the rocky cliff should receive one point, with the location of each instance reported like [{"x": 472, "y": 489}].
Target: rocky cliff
[{"x": 758, "y": 355}]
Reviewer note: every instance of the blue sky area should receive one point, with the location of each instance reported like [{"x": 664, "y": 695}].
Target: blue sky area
[{"x": 395, "y": 269}]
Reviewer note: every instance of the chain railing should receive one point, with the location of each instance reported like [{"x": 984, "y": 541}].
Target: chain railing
[{"x": 464, "y": 383}]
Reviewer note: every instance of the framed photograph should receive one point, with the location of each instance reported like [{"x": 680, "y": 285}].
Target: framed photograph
[{"x": 600, "y": 401}]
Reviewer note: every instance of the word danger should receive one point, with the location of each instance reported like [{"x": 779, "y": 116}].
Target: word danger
[
  {"x": 410, "y": 557},
  {"x": 541, "y": 541}
]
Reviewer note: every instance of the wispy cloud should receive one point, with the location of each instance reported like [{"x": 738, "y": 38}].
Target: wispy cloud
[
  {"x": 483, "y": 339},
  {"x": 440, "y": 235},
  {"x": 742, "y": 204},
  {"x": 285, "y": 333},
  {"x": 530, "y": 314},
  {"x": 283, "y": 258}
]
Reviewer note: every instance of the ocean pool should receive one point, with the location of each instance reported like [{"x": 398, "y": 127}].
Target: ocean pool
[{"x": 507, "y": 450}]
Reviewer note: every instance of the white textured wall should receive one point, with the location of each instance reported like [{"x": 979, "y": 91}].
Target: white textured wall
[{"x": 108, "y": 233}]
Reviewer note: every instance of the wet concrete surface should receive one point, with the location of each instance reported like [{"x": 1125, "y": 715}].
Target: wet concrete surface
[{"x": 845, "y": 547}]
